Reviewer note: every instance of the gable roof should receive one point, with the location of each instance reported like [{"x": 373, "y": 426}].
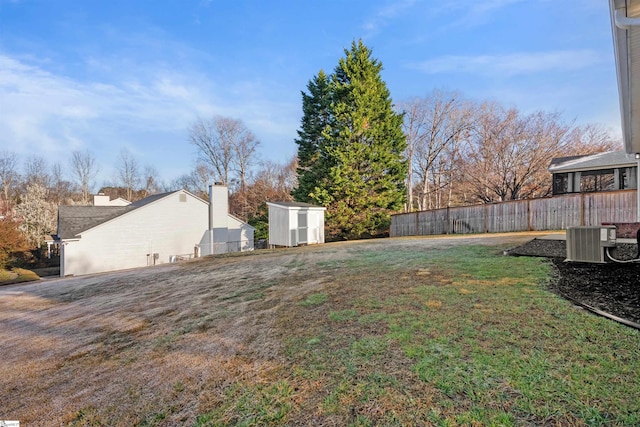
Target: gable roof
[
  {"x": 150, "y": 199},
  {"x": 73, "y": 220},
  {"x": 295, "y": 205},
  {"x": 609, "y": 160}
]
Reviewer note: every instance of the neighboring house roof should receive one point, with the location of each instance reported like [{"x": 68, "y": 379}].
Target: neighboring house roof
[
  {"x": 150, "y": 199},
  {"x": 609, "y": 160},
  {"x": 119, "y": 202},
  {"x": 73, "y": 220},
  {"x": 239, "y": 221},
  {"x": 295, "y": 205}
]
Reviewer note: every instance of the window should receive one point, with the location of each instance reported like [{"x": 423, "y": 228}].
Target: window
[
  {"x": 560, "y": 183},
  {"x": 624, "y": 179},
  {"x": 602, "y": 180}
]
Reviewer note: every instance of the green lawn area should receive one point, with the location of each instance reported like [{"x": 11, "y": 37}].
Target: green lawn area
[
  {"x": 455, "y": 337},
  {"x": 389, "y": 332}
]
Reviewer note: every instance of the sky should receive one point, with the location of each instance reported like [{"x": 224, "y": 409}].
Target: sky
[{"x": 106, "y": 75}]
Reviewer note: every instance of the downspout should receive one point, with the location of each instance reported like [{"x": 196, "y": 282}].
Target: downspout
[
  {"x": 624, "y": 22},
  {"x": 211, "y": 219},
  {"x": 638, "y": 192}
]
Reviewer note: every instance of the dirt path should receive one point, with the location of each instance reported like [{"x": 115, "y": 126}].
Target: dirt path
[{"x": 117, "y": 345}]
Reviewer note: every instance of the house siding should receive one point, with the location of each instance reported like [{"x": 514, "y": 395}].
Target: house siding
[{"x": 235, "y": 236}]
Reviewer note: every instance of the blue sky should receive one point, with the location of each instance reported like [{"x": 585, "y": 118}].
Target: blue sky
[{"x": 103, "y": 75}]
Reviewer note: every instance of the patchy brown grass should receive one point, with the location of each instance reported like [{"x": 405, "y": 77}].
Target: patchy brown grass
[
  {"x": 339, "y": 334},
  {"x": 17, "y": 275}
]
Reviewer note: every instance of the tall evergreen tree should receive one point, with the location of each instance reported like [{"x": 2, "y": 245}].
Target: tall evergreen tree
[
  {"x": 316, "y": 108},
  {"x": 361, "y": 178}
]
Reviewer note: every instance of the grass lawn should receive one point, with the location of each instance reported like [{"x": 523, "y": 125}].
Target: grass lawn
[
  {"x": 407, "y": 332},
  {"x": 17, "y": 275}
]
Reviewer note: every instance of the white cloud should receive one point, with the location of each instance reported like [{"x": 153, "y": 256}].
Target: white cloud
[
  {"x": 512, "y": 64},
  {"x": 148, "y": 108},
  {"x": 474, "y": 12},
  {"x": 51, "y": 115},
  {"x": 383, "y": 16}
]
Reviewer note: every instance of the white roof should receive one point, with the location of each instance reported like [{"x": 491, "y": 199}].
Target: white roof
[
  {"x": 296, "y": 205},
  {"x": 599, "y": 161}
]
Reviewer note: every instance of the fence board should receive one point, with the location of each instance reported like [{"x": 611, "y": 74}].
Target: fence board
[{"x": 554, "y": 213}]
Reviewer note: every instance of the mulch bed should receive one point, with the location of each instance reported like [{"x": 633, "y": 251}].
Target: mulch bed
[{"x": 612, "y": 288}]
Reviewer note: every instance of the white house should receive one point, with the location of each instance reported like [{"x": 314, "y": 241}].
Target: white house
[
  {"x": 293, "y": 224},
  {"x": 104, "y": 200},
  {"x": 158, "y": 229},
  {"x": 625, "y": 25}
]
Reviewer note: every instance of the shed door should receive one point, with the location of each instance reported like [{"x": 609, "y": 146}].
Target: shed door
[{"x": 302, "y": 227}]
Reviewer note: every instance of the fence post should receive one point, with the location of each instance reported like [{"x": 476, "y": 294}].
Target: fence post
[
  {"x": 486, "y": 217},
  {"x": 529, "y": 213},
  {"x": 448, "y": 229},
  {"x": 417, "y": 229}
]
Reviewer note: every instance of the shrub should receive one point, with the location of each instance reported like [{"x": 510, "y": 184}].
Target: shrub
[{"x": 12, "y": 242}]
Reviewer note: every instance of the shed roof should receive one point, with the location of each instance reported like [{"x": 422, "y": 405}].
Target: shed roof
[
  {"x": 295, "y": 205},
  {"x": 608, "y": 160}
]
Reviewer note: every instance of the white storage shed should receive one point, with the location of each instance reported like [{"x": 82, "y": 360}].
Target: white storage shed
[{"x": 292, "y": 224}]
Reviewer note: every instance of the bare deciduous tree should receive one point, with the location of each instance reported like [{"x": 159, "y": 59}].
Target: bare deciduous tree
[
  {"x": 226, "y": 145},
  {"x": 197, "y": 182},
  {"x": 508, "y": 154},
  {"x": 84, "y": 169},
  {"x": 8, "y": 178},
  {"x": 591, "y": 138},
  {"x": 36, "y": 171},
  {"x": 272, "y": 182},
  {"x": 151, "y": 181},
  {"x": 244, "y": 149},
  {"x": 214, "y": 147},
  {"x": 60, "y": 189},
  {"x": 434, "y": 126},
  {"x": 128, "y": 173},
  {"x": 414, "y": 128}
]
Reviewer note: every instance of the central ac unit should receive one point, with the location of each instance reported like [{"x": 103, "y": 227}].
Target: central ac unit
[{"x": 587, "y": 244}]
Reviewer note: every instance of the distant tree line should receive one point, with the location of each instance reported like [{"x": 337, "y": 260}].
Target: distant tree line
[
  {"x": 30, "y": 192},
  {"x": 463, "y": 152},
  {"x": 359, "y": 155}
]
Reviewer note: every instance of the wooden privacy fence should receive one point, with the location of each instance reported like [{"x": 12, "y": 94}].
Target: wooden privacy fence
[{"x": 554, "y": 213}]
